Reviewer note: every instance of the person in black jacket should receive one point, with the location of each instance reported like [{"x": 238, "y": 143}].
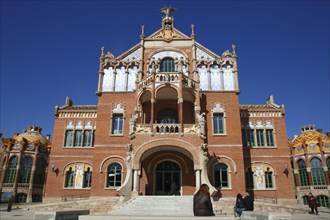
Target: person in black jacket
[
  {"x": 202, "y": 202},
  {"x": 248, "y": 200},
  {"x": 239, "y": 206}
]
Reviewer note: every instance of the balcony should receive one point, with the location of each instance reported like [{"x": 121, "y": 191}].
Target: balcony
[
  {"x": 169, "y": 129},
  {"x": 173, "y": 78}
]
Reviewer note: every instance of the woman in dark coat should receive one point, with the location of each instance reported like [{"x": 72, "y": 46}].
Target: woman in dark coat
[
  {"x": 202, "y": 202},
  {"x": 312, "y": 203},
  {"x": 239, "y": 206}
]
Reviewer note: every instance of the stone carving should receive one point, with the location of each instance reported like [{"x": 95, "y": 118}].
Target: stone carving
[
  {"x": 142, "y": 129},
  {"x": 132, "y": 122},
  {"x": 201, "y": 123}
]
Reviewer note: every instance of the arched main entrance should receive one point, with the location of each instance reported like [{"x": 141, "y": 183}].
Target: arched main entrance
[{"x": 167, "y": 178}]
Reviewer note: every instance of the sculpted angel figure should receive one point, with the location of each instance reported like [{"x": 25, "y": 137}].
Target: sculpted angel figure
[{"x": 201, "y": 122}]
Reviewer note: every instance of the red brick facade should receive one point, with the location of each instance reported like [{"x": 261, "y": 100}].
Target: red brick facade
[{"x": 149, "y": 121}]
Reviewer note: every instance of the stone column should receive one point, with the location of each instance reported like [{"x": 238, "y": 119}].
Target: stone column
[
  {"x": 153, "y": 100},
  {"x": 326, "y": 175},
  {"x": 180, "y": 103},
  {"x": 198, "y": 178},
  {"x": 310, "y": 179},
  {"x": 135, "y": 181},
  {"x": 101, "y": 72}
]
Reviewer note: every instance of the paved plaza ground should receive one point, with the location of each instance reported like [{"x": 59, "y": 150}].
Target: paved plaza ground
[{"x": 24, "y": 214}]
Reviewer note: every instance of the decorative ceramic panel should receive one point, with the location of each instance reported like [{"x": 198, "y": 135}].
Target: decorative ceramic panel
[
  {"x": 201, "y": 55},
  {"x": 108, "y": 79},
  {"x": 172, "y": 54},
  {"x": 136, "y": 55},
  {"x": 120, "y": 79},
  {"x": 132, "y": 74},
  {"x": 228, "y": 78},
  {"x": 204, "y": 82},
  {"x": 215, "y": 78}
]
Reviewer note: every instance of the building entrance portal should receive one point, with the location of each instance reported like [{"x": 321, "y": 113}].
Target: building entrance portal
[{"x": 167, "y": 178}]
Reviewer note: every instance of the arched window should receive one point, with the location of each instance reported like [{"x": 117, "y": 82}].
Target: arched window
[
  {"x": 114, "y": 175},
  {"x": 317, "y": 172},
  {"x": 323, "y": 201},
  {"x": 221, "y": 176},
  {"x": 25, "y": 170},
  {"x": 88, "y": 178},
  {"x": 303, "y": 175},
  {"x": 167, "y": 65},
  {"x": 11, "y": 171},
  {"x": 69, "y": 178},
  {"x": 39, "y": 175},
  {"x": 167, "y": 116},
  {"x": 269, "y": 178}
]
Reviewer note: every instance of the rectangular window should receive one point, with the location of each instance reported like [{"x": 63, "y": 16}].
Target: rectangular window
[
  {"x": 117, "y": 124},
  {"x": 218, "y": 127},
  {"x": 250, "y": 138},
  {"x": 68, "y": 138},
  {"x": 87, "y": 138},
  {"x": 78, "y": 138},
  {"x": 270, "y": 137},
  {"x": 260, "y": 137}
]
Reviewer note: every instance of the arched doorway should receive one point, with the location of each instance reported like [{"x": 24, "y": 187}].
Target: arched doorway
[{"x": 167, "y": 178}]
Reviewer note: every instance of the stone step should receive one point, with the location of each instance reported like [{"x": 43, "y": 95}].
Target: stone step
[
  {"x": 156, "y": 206},
  {"x": 107, "y": 217}
]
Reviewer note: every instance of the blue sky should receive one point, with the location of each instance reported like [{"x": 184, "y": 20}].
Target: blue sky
[{"x": 51, "y": 49}]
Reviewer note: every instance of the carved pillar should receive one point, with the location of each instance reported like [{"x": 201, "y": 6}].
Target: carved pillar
[
  {"x": 114, "y": 80},
  {"x": 180, "y": 102},
  {"x": 204, "y": 177},
  {"x": 235, "y": 69},
  {"x": 153, "y": 100},
  {"x": 222, "y": 84},
  {"x": 198, "y": 178},
  {"x": 135, "y": 181},
  {"x": 125, "y": 191},
  {"x": 101, "y": 72}
]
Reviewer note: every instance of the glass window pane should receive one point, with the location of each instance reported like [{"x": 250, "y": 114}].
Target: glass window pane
[
  {"x": 78, "y": 138},
  {"x": 260, "y": 137},
  {"x": 68, "y": 138},
  {"x": 270, "y": 137},
  {"x": 87, "y": 138}
]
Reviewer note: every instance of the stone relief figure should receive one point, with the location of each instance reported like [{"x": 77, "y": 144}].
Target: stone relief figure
[
  {"x": 259, "y": 178},
  {"x": 132, "y": 122},
  {"x": 201, "y": 123},
  {"x": 79, "y": 177}
]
